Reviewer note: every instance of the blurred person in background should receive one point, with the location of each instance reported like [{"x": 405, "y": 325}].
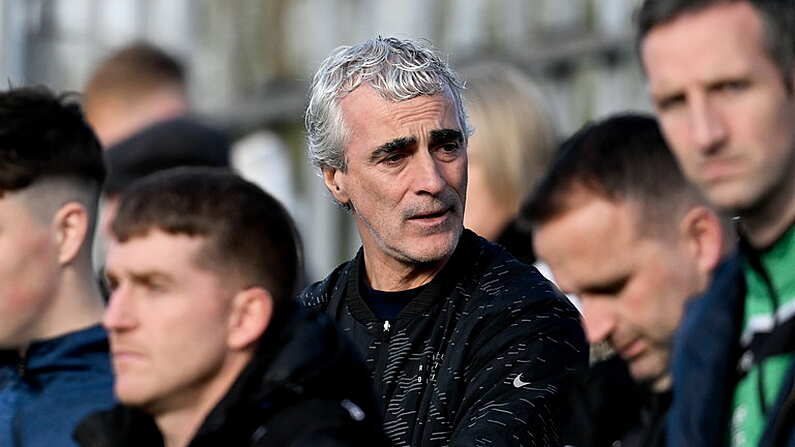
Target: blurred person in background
[
  {"x": 209, "y": 346},
  {"x": 623, "y": 230},
  {"x": 133, "y": 88},
  {"x": 54, "y": 365},
  {"x": 466, "y": 345},
  {"x": 512, "y": 144},
  {"x": 722, "y": 81},
  {"x": 164, "y": 145},
  {"x": 137, "y": 100}
]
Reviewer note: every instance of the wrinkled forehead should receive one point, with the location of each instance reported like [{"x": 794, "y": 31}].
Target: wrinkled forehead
[{"x": 366, "y": 101}]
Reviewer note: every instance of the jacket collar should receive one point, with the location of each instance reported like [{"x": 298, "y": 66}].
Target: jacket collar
[
  {"x": 705, "y": 357},
  {"x": 74, "y": 350},
  {"x": 431, "y": 295}
]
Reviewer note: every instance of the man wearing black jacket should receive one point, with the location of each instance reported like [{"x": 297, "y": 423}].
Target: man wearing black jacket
[
  {"x": 466, "y": 345},
  {"x": 209, "y": 348}
]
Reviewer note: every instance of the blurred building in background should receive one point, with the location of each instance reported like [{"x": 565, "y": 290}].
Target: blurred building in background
[{"x": 250, "y": 62}]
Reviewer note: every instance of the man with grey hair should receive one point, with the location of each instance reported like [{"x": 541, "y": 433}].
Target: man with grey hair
[{"x": 466, "y": 345}]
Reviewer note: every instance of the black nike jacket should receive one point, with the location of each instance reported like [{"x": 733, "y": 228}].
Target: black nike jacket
[{"x": 484, "y": 356}]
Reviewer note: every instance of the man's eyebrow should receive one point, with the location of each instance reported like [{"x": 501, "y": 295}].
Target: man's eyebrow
[
  {"x": 390, "y": 147},
  {"x": 150, "y": 277},
  {"x": 445, "y": 135}
]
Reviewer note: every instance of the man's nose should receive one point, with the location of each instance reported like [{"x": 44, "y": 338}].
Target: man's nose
[
  {"x": 119, "y": 314},
  {"x": 599, "y": 319},
  {"x": 428, "y": 176},
  {"x": 707, "y": 127}
]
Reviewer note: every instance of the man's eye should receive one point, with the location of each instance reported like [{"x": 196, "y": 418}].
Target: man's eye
[
  {"x": 155, "y": 287},
  {"x": 732, "y": 86},
  {"x": 612, "y": 289},
  {"x": 670, "y": 102},
  {"x": 393, "y": 159},
  {"x": 110, "y": 284},
  {"x": 449, "y": 150}
]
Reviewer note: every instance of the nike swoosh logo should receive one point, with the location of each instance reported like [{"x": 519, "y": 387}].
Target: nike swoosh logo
[{"x": 518, "y": 383}]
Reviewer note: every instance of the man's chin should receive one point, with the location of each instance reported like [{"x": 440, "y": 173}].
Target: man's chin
[
  {"x": 734, "y": 198},
  {"x": 653, "y": 379},
  {"x": 432, "y": 248}
]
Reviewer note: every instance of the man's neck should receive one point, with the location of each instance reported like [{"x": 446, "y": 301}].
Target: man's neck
[
  {"x": 766, "y": 224},
  {"x": 390, "y": 275},
  {"x": 75, "y": 304},
  {"x": 179, "y": 420},
  {"x": 178, "y": 427}
]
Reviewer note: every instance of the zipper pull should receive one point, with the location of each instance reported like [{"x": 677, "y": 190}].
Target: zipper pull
[
  {"x": 21, "y": 367},
  {"x": 386, "y": 326}
]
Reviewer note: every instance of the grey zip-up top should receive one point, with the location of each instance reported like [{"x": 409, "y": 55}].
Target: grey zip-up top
[{"x": 482, "y": 357}]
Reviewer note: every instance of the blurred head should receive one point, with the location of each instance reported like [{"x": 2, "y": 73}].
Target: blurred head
[
  {"x": 200, "y": 261},
  {"x": 387, "y": 128},
  {"x": 510, "y": 148},
  {"x": 132, "y": 88},
  {"x": 622, "y": 229},
  {"x": 775, "y": 17},
  {"x": 182, "y": 141},
  {"x": 51, "y": 173},
  {"x": 721, "y": 79}
]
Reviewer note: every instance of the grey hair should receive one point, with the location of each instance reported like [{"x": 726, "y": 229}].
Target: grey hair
[{"x": 398, "y": 69}]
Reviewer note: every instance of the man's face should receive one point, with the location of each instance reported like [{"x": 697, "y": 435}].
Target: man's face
[
  {"x": 29, "y": 271},
  {"x": 406, "y": 175},
  {"x": 632, "y": 286},
  {"x": 723, "y": 104},
  {"x": 167, "y": 319}
]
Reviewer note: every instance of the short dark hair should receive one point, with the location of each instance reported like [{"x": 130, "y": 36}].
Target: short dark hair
[
  {"x": 247, "y": 231},
  {"x": 623, "y": 157},
  {"x": 45, "y": 136},
  {"x": 778, "y": 18}
]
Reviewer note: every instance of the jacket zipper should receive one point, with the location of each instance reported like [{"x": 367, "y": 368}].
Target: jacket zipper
[
  {"x": 21, "y": 367},
  {"x": 381, "y": 364}
]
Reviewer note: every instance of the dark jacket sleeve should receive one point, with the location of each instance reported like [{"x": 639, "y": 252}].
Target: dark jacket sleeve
[{"x": 520, "y": 373}]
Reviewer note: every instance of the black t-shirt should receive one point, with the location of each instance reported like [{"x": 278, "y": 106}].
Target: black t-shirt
[{"x": 386, "y": 305}]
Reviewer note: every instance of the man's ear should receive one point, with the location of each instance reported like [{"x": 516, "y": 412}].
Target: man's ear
[
  {"x": 703, "y": 232},
  {"x": 249, "y": 316},
  {"x": 71, "y": 224},
  {"x": 335, "y": 182}
]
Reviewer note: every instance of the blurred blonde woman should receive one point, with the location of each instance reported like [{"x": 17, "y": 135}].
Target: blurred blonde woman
[{"x": 511, "y": 147}]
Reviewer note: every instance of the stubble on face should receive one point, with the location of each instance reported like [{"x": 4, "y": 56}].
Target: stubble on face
[
  {"x": 448, "y": 200},
  {"x": 632, "y": 303},
  {"x": 727, "y": 111},
  {"x": 405, "y": 179}
]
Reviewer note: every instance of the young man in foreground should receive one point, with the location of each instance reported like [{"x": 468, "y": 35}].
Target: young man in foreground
[{"x": 209, "y": 347}]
